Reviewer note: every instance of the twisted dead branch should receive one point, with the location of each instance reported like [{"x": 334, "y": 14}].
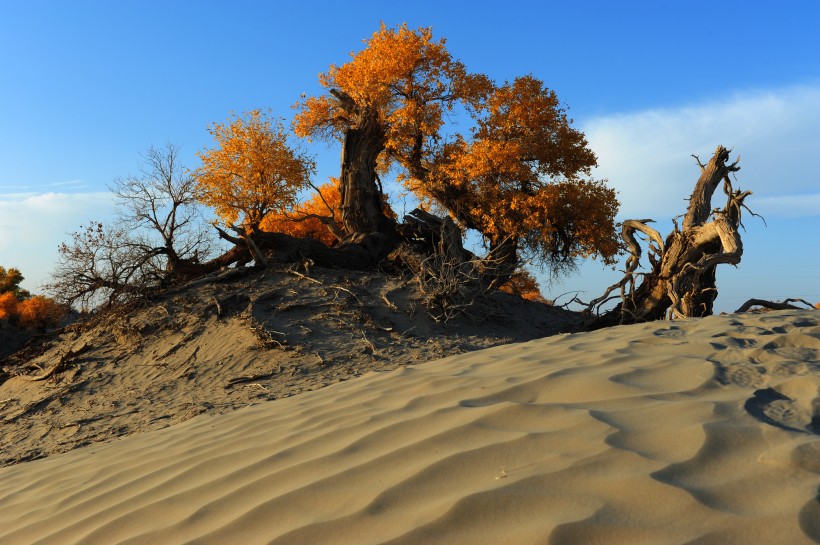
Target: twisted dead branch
[{"x": 681, "y": 278}]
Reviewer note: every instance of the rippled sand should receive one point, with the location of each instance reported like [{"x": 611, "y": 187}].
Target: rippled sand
[{"x": 694, "y": 431}]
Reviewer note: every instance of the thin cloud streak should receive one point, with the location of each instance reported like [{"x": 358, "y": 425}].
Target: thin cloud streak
[
  {"x": 74, "y": 183},
  {"x": 647, "y": 156},
  {"x": 789, "y": 206}
]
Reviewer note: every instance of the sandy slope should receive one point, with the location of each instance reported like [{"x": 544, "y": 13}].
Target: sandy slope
[
  {"x": 220, "y": 346},
  {"x": 697, "y": 431}
]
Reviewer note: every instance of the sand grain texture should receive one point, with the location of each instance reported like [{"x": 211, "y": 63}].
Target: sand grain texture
[{"x": 687, "y": 432}]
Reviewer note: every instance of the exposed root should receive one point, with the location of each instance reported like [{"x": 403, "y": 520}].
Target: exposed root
[{"x": 60, "y": 366}]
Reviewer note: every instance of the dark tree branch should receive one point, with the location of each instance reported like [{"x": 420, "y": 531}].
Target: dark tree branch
[{"x": 774, "y": 305}]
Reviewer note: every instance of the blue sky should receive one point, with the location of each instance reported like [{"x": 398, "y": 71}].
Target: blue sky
[{"x": 87, "y": 86}]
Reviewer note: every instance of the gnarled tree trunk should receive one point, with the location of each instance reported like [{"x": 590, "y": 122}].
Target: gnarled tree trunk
[
  {"x": 362, "y": 206},
  {"x": 682, "y": 278}
]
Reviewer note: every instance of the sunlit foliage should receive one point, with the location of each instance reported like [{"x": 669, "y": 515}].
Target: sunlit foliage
[
  {"x": 524, "y": 284},
  {"x": 522, "y": 179},
  {"x": 317, "y": 218},
  {"x": 8, "y": 306},
  {"x": 520, "y": 175},
  {"x": 40, "y": 312},
  {"x": 410, "y": 78},
  {"x": 10, "y": 280},
  {"x": 18, "y": 307},
  {"x": 252, "y": 171}
]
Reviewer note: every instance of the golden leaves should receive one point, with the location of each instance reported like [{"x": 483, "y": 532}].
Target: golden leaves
[
  {"x": 252, "y": 170},
  {"x": 523, "y": 177},
  {"x": 409, "y": 78},
  {"x": 310, "y": 219},
  {"x": 522, "y": 172},
  {"x": 37, "y": 312},
  {"x": 523, "y": 284}
]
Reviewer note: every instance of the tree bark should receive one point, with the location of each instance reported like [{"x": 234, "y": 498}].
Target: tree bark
[
  {"x": 681, "y": 281},
  {"x": 431, "y": 233},
  {"x": 362, "y": 206},
  {"x": 501, "y": 262}
]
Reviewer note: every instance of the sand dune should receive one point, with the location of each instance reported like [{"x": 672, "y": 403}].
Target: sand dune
[{"x": 695, "y": 431}]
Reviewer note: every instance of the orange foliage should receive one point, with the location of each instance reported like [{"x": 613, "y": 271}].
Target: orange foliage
[
  {"x": 407, "y": 76},
  {"x": 523, "y": 284},
  {"x": 10, "y": 282},
  {"x": 310, "y": 219},
  {"x": 40, "y": 312},
  {"x": 523, "y": 178},
  {"x": 8, "y": 306},
  {"x": 37, "y": 312},
  {"x": 319, "y": 217},
  {"x": 252, "y": 170}
]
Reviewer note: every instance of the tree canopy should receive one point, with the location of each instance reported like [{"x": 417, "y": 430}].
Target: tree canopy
[
  {"x": 22, "y": 309},
  {"x": 10, "y": 280},
  {"x": 522, "y": 180},
  {"x": 386, "y": 104},
  {"x": 252, "y": 171},
  {"x": 520, "y": 176},
  {"x": 500, "y": 159},
  {"x": 406, "y": 76}
]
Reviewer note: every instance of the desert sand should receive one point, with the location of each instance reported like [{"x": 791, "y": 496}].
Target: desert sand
[
  {"x": 694, "y": 431},
  {"x": 216, "y": 347}
]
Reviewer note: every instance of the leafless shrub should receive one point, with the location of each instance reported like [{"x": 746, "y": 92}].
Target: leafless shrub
[
  {"x": 157, "y": 234},
  {"x": 264, "y": 336},
  {"x": 448, "y": 287}
]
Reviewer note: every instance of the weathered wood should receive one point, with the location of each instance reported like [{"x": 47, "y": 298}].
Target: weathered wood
[
  {"x": 711, "y": 175},
  {"x": 362, "y": 206},
  {"x": 681, "y": 281},
  {"x": 58, "y": 367},
  {"x": 775, "y": 305},
  {"x": 435, "y": 233},
  {"x": 246, "y": 237}
]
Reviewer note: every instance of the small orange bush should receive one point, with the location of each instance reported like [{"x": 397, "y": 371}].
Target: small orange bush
[
  {"x": 39, "y": 312},
  {"x": 311, "y": 227},
  {"x": 524, "y": 284},
  {"x": 8, "y": 306},
  {"x": 326, "y": 206}
]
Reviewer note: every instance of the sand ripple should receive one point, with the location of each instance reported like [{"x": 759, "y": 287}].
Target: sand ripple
[{"x": 696, "y": 432}]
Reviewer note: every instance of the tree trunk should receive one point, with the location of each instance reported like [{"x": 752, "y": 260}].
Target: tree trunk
[
  {"x": 362, "y": 206},
  {"x": 501, "y": 262},
  {"x": 429, "y": 233},
  {"x": 682, "y": 278}
]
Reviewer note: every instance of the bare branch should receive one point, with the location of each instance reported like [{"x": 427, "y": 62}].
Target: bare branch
[{"x": 774, "y": 305}]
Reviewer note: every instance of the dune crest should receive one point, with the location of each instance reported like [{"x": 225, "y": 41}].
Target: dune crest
[{"x": 694, "y": 431}]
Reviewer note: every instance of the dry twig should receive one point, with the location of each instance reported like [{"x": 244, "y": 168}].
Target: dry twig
[{"x": 58, "y": 367}]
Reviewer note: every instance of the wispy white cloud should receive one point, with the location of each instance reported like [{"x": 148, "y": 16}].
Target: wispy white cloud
[
  {"x": 789, "y": 206},
  {"x": 68, "y": 183},
  {"x": 646, "y": 155},
  {"x": 29, "y": 189},
  {"x": 32, "y": 225}
]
